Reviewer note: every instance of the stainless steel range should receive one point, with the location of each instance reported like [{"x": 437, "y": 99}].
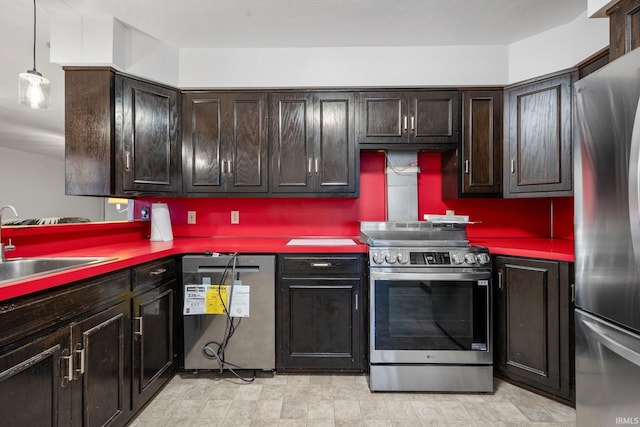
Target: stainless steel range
[{"x": 430, "y": 308}]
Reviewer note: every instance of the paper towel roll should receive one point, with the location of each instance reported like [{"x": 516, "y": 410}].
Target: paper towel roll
[{"x": 160, "y": 223}]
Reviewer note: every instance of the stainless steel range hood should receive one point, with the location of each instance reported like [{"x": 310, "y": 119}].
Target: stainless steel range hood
[{"x": 402, "y": 185}]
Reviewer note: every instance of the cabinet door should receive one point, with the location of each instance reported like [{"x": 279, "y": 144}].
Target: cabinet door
[
  {"x": 34, "y": 382},
  {"x": 291, "y": 142},
  {"x": 335, "y": 160},
  {"x": 147, "y": 132},
  {"x": 101, "y": 388},
  {"x": 434, "y": 117},
  {"x": 624, "y": 28},
  {"x": 152, "y": 342},
  {"x": 533, "y": 320},
  {"x": 225, "y": 143},
  {"x": 383, "y": 118},
  {"x": 247, "y": 167},
  {"x": 538, "y": 139},
  {"x": 320, "y": 324},
  {"x": 481, "y": 160},
  {"x": 202, "y": 143}
]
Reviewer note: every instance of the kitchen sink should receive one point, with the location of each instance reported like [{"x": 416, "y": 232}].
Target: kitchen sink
[{"x": 21, "y": 268}]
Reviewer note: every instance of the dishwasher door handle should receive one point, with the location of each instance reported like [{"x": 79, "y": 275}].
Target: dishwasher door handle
[{"x": 222, "y": 270}]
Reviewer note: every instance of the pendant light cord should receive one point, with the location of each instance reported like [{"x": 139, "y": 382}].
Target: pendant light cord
[{"x": 34, "y": 35}]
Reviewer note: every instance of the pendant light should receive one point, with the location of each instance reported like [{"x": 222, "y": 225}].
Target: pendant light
[{"x": 33, "y": 88}]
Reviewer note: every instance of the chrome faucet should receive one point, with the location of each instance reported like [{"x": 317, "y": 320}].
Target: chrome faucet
[{"x": 9, "y": 247}]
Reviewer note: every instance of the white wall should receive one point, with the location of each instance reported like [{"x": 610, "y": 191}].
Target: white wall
[
  {"x": 353, "y": 66},
  {"x": 99, "y": 40},
  {"x": 34, "y": 185},
  {"x": 598, "y": 8},
  {"x": 557, "y": 49}
]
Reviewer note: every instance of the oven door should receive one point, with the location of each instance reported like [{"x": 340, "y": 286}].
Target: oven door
[{"x": 430, "y": 316}]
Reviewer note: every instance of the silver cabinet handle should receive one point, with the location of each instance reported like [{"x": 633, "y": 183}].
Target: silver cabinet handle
[
  {"x": 466, "y": 166},
  {"x": 405, "y": 123},
  {"x": 139, "y": 320},
  {"x": 309, "y": 166},
  {"x": 316, "y": 165},
  {"x": 321, "y": 264},
  {"x": 127, "y": 161},
  {"x": 413, "y": 123},
  {"x": 513, "y": 166},
  {"x": 500, "y": 280},
  {"x": 573, "y": 292},
  {"x": 224, "y": 163},
  {"x": 69, "y": 374},
  {"x": 158, "y": 272},
  {"x": 356, "y": 301},
  {"x": 229, "y": 164},
  {"x": 80, "y": 353}
]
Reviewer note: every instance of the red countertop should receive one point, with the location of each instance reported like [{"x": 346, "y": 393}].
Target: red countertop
[
  {"x": 133, "y": 252},
  {"x": 133, "y": 247},
  {"x": 535, "y": 247}
]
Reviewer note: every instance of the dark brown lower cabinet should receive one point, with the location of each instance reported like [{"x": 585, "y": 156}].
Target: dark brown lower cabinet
[
  {"x": 320, "y": 313},
  {"x": 534, "y": 324},
  {"x": 101, "y": 386},
  {"x": 91, "y": 353},
  {"x": 34, "y": 382},
  {"x": 153, "y": 357}
]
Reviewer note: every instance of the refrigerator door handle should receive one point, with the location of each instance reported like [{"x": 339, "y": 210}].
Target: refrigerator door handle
[
  {"x": 634, "y": 184},
  {"x": 603, "y": 336}
]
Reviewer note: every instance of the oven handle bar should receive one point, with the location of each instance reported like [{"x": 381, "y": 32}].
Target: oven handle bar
[{"x": 398, "y": 274}]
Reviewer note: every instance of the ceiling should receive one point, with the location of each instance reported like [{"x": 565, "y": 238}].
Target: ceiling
[{"x": 254, "y": 23}]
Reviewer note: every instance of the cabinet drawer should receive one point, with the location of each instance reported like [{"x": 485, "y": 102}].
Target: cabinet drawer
[
  {"x": 152, "y": 274},
  {"x": 30, "y": 314},
  {"x": 317, "y": 265}
]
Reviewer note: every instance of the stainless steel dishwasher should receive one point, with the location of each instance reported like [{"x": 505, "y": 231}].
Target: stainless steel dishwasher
[{"x": 226, "y": 341}]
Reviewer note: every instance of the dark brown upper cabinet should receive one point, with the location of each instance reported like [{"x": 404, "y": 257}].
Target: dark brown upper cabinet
[
  {"x": 313, "y": 146},
  {"x": 476, "y": 168},
  {"x": 121, "y": 135},
  {"x": 147, "y": 137},
  {"x": 407, "y": 120},
  {"x": 225, "y": 143},
  {"x": 537, "y": 145},
  {"x": 624, "y": 28}
]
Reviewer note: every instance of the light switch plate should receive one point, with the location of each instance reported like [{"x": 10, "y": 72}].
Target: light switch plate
[
  {"x": 191, "y": 217},
  {"x": 235, "y": 217}
]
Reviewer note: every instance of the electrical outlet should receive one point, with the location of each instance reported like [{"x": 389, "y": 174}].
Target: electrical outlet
[
  {"x": 235, "y": 217},
  {"x": 191, "y": 217}
]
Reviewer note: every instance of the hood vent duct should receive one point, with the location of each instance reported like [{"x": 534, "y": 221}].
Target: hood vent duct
[{"x": 402, "y": 185}]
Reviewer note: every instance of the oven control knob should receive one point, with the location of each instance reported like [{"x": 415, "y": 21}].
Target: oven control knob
[
  {"x": 391, "y": 258},
  {"x": 483, "y": 258},
  {"x": 470, "y": 258},
  {"x": 457, "y": 258},
  {"x": 403, "y": 257},
  {"x": 378, "y": 257}
]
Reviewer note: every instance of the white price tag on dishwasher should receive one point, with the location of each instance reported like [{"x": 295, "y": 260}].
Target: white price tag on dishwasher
[{"x": 240, "y": 301}]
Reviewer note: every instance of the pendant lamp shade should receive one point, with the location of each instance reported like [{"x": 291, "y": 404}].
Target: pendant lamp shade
[{"x": 33, "y": 88}]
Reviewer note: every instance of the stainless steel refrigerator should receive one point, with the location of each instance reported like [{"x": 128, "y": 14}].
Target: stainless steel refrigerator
[{"x": 607, "y": 244}]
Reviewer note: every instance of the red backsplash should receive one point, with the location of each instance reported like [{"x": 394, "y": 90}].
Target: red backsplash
[{"x": 341, "y": 217}]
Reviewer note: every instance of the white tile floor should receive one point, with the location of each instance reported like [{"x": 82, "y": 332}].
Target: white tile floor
[{"x": 206, "y": 399}]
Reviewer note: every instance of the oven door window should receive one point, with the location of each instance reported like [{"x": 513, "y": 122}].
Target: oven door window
[{"x": 431, "y": 315}]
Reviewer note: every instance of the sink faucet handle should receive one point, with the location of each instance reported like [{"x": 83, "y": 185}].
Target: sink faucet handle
[{"x": 9, "y": 247}]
